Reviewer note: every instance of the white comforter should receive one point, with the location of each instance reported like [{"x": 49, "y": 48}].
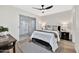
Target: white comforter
[
  {"x": 56, "y": 32},
  {"x": 48, "y": 37}
]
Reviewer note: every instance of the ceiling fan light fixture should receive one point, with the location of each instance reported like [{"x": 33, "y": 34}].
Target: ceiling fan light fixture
[
  {"x": 43, "y": 8},
  {"x": 42, "y": 11}
]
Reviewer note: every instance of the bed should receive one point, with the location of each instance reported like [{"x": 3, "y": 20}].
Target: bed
[
  {"x": 41, "y": 42},
  {"x": 46, "y": 38}
]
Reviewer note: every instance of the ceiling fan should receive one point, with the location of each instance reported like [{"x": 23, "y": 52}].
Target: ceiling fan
[{"x": 43, "y": 8}]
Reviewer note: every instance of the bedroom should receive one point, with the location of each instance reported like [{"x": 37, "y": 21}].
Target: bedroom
[
  {"x": 50, "y": 22},
  {"x": 26, "y": 23}
]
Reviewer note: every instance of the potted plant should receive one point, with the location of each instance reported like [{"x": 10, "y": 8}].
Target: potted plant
[{"x": 3, "y": 31}]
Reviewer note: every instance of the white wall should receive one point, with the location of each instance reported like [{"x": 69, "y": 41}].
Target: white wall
[
  {"x": 59, "y": 19},
  {"x": 9, "y": 16},
  {"x": 73, "y": 24},
  {"x": 38, "y": 23},
  {"x": 76, "y": 27}
]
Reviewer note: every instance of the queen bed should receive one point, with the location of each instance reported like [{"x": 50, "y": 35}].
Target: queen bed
[
  {"x": 41, "y": 42},
  {"x": 46, "y": 38}
]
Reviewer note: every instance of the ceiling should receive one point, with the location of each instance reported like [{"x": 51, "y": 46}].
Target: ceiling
[{"x": 55, "y": 9}]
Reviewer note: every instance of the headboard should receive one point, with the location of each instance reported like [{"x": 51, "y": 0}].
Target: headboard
[{"x": 53, "y": 27}]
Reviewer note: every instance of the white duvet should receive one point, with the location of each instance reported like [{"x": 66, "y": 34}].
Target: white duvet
[
  {"x": 56, "y": 32},
  {"x": 47, "y": 37}
]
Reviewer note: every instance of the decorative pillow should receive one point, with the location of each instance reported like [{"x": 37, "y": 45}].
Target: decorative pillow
[{"x": 51, "y": 27}]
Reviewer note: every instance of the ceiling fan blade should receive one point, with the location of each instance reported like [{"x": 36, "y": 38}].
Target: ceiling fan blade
[
  {"x": 36, "y": 8},
  {"x": 49, "y": 7}
]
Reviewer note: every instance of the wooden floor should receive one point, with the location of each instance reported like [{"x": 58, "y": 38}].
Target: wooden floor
[{"x": 64, "y": 47}]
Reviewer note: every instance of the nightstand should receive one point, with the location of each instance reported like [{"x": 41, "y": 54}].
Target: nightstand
[{"x": 65, "y": 35}]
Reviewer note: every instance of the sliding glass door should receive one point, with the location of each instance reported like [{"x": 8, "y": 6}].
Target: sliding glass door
[{"x": 27, "y": 25}]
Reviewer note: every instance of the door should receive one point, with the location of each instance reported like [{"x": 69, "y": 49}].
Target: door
[
  {"x": 32, "y": 25},
  {"x": 27, "y": 25},
  {"x": 24, "y": 25}
]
